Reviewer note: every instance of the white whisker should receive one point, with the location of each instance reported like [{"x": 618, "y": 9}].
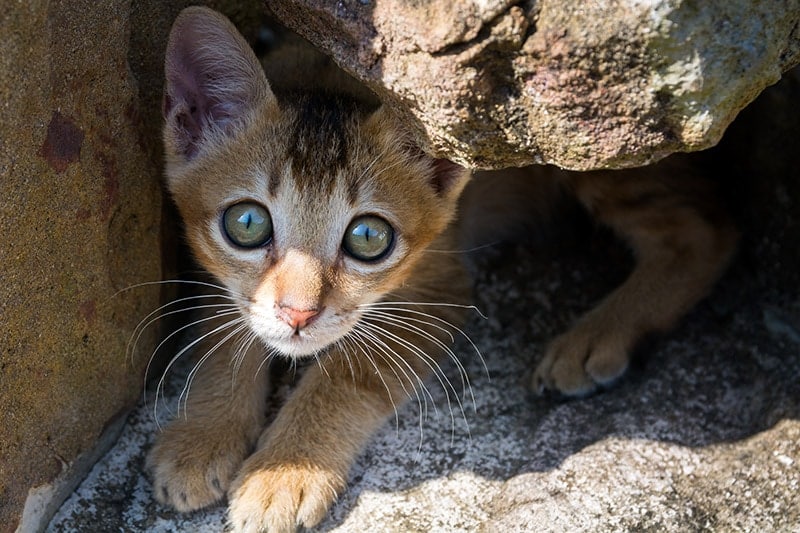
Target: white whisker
[
  {"x": 393, "y": 357},
  {"x": 267, "y": 357},
  {"x": 402, "y": 320},
  {"x": 430, "y": 362},
  {"x": 393, "y": 320},
  {"x": 362, "y": 337},
  {"x": 466, "y": 307},
  {"x": 162, "y": 380},
  {"x": 345, "y": 345},
  {"x": 440, "y": 320},
  {"x": 145, "y": 323},
  {"x": 465, "y": 251},
  {"x": 240, "y": 353},
  {"x": 184, "y": 395},
  {"x": 174, "y": 281}
]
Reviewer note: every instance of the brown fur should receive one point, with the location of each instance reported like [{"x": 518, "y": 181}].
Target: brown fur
[
  {"x": 681, "y": 238},
  {"x": 317, "y": 162}
]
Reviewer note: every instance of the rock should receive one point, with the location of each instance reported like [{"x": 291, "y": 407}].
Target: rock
[
  {"x": 79, "y": 221},
  {"x": 80, "y": 211},
  {"x": 582, "y": 85}
]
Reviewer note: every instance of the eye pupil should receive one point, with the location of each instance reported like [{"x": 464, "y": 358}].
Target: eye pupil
[
  {"x": 247, "y": 224},
  {"x": 368, "y": 238}
]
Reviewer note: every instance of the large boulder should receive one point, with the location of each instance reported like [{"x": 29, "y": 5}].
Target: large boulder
[
  {"x": 79, "y": 221},
  {"x": 80, "y": 211},
  {"x": 579, "y": 84}
]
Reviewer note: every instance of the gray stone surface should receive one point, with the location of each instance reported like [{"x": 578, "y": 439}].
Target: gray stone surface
[
  {"x": 578, "y": 84},
  {"x": 703, "y": 435}
]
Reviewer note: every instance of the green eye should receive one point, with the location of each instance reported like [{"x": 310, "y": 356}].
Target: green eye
[
  {"x": 247, "y": 224},
  {"x": 368, "y": 238}
]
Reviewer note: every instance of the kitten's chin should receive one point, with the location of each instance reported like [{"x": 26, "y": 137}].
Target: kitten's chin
[
  {"x": 298, "y": 347},
  {"x": 308, "y": 342}
]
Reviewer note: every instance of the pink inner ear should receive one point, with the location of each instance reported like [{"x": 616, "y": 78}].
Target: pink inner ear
[
  {"x": 212, "y": 77},
  {"x": 445, "y": 175},
  {"x": 184, "y": 91}
]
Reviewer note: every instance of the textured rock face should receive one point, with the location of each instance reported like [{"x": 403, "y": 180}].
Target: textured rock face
[
  {"x": 579, "y": 84},
  {"x": 79, "y": 221},
  {"x": 80, "y": 210}
]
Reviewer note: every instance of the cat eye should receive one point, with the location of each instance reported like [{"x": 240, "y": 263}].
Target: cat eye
[
  {"x": 247, "y": 224},
  {"x": 368, "y": 238}
]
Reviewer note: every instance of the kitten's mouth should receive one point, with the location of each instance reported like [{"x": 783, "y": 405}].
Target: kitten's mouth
[
  {"x": 309, "y": 341},
  {"x": 312, "y": 338}
]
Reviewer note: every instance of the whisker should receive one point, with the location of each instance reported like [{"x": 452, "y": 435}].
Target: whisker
[
  {"x": 244, "y": 345},
  {"x": 345, "y": 345},
  {"x": 169, "y": 281},
  {"x": 145, "y": 323},
  {"x": 393, "y": 358},
  {"x": 386, "y": 314},
  {"x": 393, "y": 320},
  {"x": 269, "y": 355},
  {"x": 182, "y": 328},
  {"x": 161, "y": 383},
  {"x": 431, "y": 363},
  {"x": 362, "y": 337},
  {"x": 465, "y": 251},
  {"x": 448, "y": 324},
  {"x": 318, "y": 360},
  {"x": 466, "y": 307},
  {"x": 193, "y": 373}
]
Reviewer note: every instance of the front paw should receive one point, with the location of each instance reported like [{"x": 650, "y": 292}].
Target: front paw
[
  {"x": 276, "y": 497},
  {"x": 587, "y": 356},
  {"x": 192, "y": 467}
]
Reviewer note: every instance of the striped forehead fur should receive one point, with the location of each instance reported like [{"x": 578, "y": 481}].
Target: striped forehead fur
[{"x": 323, "y": 134}]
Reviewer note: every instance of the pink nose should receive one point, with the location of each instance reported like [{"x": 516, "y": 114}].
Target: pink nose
[{"x": 297, "y": 319}]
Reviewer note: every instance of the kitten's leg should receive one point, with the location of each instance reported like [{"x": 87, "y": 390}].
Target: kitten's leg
[
  {"x": 303, "y": 458},
  {"x": 198, "y": 454},
  {"x": 682, "y": 241}
]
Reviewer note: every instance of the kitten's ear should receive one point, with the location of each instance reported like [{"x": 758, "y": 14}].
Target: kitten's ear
[
  {"x": 449, "y": 179},
  {"x": 213, "y": 81},
  {"x": 445, "y": 177}
]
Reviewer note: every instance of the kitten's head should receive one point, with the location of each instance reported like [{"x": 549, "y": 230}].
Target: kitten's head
[{"x": 305, "y": 208}]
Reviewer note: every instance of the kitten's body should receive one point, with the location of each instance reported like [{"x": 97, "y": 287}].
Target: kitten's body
[
  {"x": 312, "y": 171},
  {"x": 317, "y": 166}
]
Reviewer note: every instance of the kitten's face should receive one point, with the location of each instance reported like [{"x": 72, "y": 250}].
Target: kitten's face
[
  {"x": 304, "y": 239},
  {"x": 305, "y": 210}
]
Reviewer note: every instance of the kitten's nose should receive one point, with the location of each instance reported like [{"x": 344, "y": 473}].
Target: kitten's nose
[{"x": 295, "y": 318}]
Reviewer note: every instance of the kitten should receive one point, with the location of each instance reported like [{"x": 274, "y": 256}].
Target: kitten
[{"x": 316, "y": 216}]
